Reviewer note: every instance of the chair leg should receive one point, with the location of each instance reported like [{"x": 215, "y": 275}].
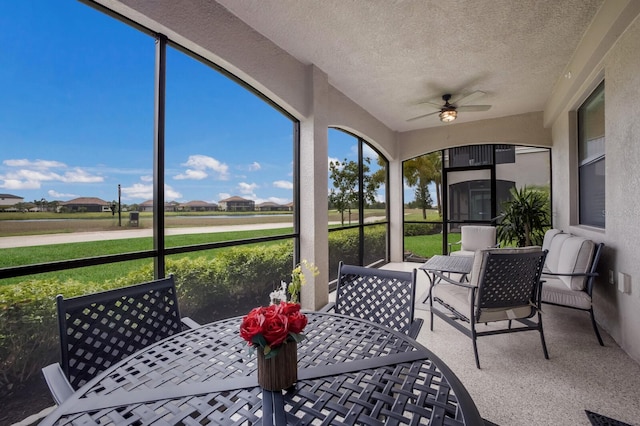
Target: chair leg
[
  {"x": 431, "y": 307},
  {"x": 474, "y": 338},
  {"x": 595, "y": 327},
  {"x": 544, "y": 344}
]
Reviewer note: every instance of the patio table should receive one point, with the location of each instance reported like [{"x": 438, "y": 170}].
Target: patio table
[
  {"x": 350, "y": 371},
  {"x": 461, "y": 265}
]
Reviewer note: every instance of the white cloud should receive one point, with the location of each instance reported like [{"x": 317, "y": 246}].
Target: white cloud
[
  {"x": 19, "y": 184},
  {"x": 247, "y": 188},
  {"x": 192, "y": 175},
  {"x": 30, "y": 174},
  {"x": 80, "y": 176},
  {"x": 276, "y": 200},
  {"x": 198, "y": 165},
  {"x": 145, "y": 192},
  {"x": 254, "y": 166},
  {"x": 171, "y": 194},
  {"x": 147, "y": 178},
  {"x": 38, "y": 164},
  {"x": 55, "y": 194},
  {"x": 283, "y": 184},
  {"x": 138, "y": 190},
  {"x": 223, "y": 196},
  {"x": 279, "y": 200}
]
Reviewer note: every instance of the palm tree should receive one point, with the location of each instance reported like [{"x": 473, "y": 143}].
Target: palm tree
[{"x": 423, "y": 170}]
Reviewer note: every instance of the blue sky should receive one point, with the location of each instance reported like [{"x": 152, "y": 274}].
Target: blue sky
[{"x": 76, "y": 116}]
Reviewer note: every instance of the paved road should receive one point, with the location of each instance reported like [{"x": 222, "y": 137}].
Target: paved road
[{"x": 76, "y": 237}]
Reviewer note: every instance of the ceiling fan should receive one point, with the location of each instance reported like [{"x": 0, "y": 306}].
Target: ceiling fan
[{"x": 449, "y": 110}]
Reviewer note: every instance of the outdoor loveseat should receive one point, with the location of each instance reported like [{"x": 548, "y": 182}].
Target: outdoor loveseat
[{"x": 570, "y": 271}]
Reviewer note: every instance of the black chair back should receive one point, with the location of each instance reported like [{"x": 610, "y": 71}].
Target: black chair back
[
  {"x": 383, "y": 296},
  {"x": 510, "y": 280},
  {"x": 97, "y": 330}
]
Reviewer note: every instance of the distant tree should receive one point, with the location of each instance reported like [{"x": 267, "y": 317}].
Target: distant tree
[
  {"x": 423, "y": 198},
  {"x": 344, "y": 194},
  {"x": 21, "y": 207},
  {"x": 420, "y": 172}
]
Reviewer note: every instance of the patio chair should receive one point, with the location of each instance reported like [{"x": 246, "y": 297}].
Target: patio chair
[
  {"x": 504, "y": 286},
  {"x": 98, "y": 330},
  {"x": 570, "y": 273},
  {"x": 384, "y": 296},
  {"x": 474, "y": 238}
]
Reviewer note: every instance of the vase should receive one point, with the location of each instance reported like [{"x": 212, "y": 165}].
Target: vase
[{"x": 281, "y": 371}]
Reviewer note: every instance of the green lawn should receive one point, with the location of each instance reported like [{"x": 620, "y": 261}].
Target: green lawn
[
  {"x": 57, "y": 252},
  {"x": 427, "y": 245}
]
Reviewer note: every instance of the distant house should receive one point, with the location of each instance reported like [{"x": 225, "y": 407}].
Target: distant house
[
  {"x": 237, "y": 204},
  {"x": 85, "y": 204},
  {"x": 271, "y": 207},
  {"x": 10, "y": 200},
  {"x": 147, "y": 206},
  {"x": 289, "y": 206},
  {"x": 198, "y": 206}
]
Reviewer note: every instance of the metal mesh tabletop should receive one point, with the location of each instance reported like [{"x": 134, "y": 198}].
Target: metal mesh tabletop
[
  {"x": 453, "y": 264},
  {"x": 350, "y": 371}
]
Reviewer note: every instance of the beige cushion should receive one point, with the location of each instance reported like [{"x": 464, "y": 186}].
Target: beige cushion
[
  {"x": 463, "y": 253},
  {"x": 459, "y": 298},
  {"x": 480, "y": 255},
  {"x": 554, "y": 290},
  {"x": 499, "y": 314},
  {"x": 453, "y": 295},
  {"x": 575, "y": 257},
  {"x": 548, "y": 236},
  {"x": 554, "y": 251},
  {"x": 477, "y": 237}
]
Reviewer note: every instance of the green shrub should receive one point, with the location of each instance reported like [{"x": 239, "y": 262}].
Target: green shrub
[
  {"x": 344, "y": 246},
  {"x": 415, "y": 229},
  {"x": 231, "y": 283},
  {"x": 28, "y": 326}
]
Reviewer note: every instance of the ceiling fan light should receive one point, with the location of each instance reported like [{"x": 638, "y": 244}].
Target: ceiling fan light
[{"x": 448, "y": 116}]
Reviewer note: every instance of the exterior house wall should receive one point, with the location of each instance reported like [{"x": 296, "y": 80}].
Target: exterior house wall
[
  {"x": 10, "y": 200},
  {"x": 618, "y": 313}
]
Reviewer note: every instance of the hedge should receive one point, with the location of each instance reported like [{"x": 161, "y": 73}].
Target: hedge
[
  {"x": 227, "y": 285},
  {"x": 230, "y": 284}
]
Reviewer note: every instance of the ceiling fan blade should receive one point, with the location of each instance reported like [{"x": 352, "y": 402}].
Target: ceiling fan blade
[
  {"x": 465, "y": 99},
  {"x": 423, "y": 116},
  {"x": 431, "y": 104},
  {"x": 471, "y": 108}
]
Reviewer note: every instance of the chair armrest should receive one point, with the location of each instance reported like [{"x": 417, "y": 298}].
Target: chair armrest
[
  {"x": 190, "y": 323},
  {"x": 57, "y": 382},
  {"x": 454, "y": 244},
  {"x": 328, "y": 307},
  {"x": 416, "y": 325},
  {"x": 443, "y": 277},
  {"x": 573, "y": 274}
]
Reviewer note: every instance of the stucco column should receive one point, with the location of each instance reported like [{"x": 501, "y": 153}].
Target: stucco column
[
  {"x": 396, "y": 211},
  {"x": 314, "y": 215}
]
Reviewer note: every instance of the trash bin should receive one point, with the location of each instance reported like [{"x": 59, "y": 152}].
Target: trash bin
[{"x": 133, "y": 218}]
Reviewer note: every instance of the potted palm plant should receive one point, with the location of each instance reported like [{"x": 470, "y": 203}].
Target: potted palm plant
[{"x": 524, "y": 219}]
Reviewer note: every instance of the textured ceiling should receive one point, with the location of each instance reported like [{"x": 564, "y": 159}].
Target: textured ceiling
[{"x": 388, "y": 56}]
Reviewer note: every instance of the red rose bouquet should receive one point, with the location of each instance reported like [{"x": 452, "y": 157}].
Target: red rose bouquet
[{"x": 270, "y": 327}]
